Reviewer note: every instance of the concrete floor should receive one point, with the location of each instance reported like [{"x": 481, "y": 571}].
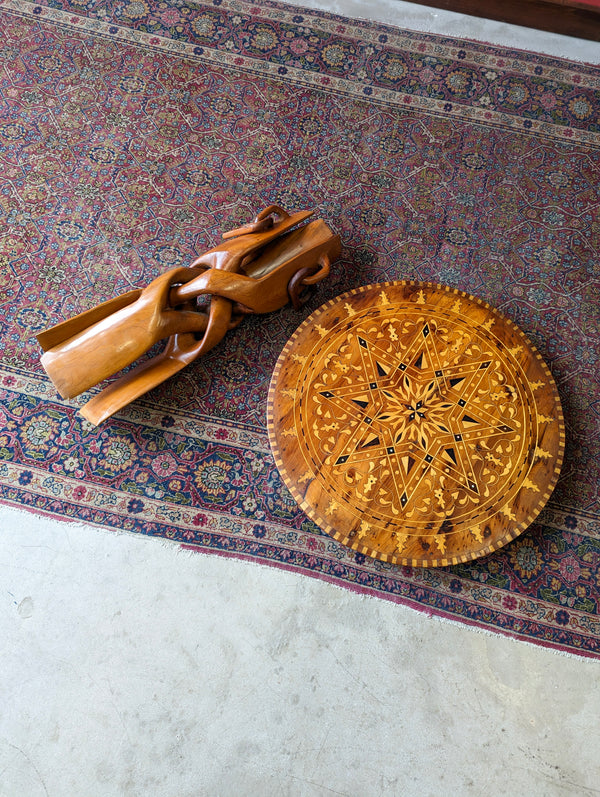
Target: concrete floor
[{"x": 129, "y": 667}]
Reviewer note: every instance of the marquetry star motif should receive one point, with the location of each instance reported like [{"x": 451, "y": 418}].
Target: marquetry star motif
[{"x": 414, "y": 415}]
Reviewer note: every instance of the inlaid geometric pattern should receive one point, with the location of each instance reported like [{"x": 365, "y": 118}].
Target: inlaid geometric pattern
[{"x": 415, "y": 424}]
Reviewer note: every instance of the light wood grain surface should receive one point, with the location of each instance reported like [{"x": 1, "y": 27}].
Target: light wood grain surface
[{"x": 415, "y": 424}]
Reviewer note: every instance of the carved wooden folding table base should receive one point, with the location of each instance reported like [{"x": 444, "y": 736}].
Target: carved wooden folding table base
[
  {"x": 415, "y": 424},
  {"x": 257, "y": 268}
]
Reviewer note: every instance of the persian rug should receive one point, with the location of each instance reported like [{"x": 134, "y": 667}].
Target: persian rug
[{"x": 133, "y": 132}]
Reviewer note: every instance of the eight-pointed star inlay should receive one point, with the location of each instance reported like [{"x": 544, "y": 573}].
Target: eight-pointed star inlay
[
  {"x": 415, "y": 414},
  {"x": 415, "y": 424}
]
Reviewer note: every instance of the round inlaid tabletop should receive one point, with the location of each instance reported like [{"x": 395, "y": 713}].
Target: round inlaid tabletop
[{"x": 415, "y": 424}]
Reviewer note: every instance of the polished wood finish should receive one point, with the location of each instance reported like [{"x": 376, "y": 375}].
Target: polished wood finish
[
  {"x": 256, "y": 290},
  {"x": 415, "y": 424},
  {"x": 257, "y": 269},
  {"x": 567, "y": 17}
]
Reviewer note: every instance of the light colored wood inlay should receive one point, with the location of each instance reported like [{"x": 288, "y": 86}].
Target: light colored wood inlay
[{"x": 422, "y": 429}]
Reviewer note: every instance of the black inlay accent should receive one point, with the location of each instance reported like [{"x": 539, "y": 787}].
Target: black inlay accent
[
  {"x": 438, "y": 373},
  {"x": 360, "y": 403},
  {"x": 327, "y": 394},
  {"x": 425, "y": 331},
  {"x": 373, "y": 385},
  {"x": 390, "y": 449},
  {"x": 468, "y": 419},
  {"x": 456, "y": 381},
  {"x": 402, "y": 366},
  {"x": 428, "y": 458},
  {"x": 362, "y": 342},
  {"x": 374, "y": 442},
  {"x": 341, "y": 460},
  {"x": 462, "y": 403},
  {"x": 484, "y": 365},
  {"x": 380, "y": 370},
  {"x": 451, "y": 453},
  {"x": 458, "y": 437},
  {"x": 419, "y": 361}
]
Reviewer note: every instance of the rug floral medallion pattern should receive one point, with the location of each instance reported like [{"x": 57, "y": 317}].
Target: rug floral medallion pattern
[{"x": 133, "y": 132}]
